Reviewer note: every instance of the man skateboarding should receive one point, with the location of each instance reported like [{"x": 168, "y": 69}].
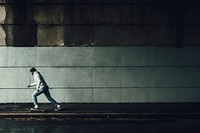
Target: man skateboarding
[{"x": 41, "y": 87}]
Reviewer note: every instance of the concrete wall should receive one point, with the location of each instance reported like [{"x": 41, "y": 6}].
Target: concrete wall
[
  {"x": 114, "y": 74},
  {"x": 100, "y": 22}
]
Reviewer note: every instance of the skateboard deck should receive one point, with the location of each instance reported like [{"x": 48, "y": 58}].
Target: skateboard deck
[
  {"x": 41, "y": 110},
  {"x": 35, "y": 110}
]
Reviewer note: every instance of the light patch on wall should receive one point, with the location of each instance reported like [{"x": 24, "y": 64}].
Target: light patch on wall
[
  {"x": 2, "y": 36},
  {"x": 50, "y": 35},
  {"x": 2, "y": 18},
  {"x": 62, "y": 44},
  {"x": 3, "y": 14}
]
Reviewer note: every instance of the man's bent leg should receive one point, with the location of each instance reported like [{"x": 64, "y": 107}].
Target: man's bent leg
[{"x": 48, "y": 96}]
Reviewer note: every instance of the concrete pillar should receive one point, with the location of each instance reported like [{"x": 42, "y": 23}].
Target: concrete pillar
[
  {"x": 2, "y": 36},
  {"x": 2, "y": 32}
]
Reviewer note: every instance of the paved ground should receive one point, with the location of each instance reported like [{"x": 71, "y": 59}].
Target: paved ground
[
  {"x": 102, "y": 118},
  {"x": 100, "y": 111}
]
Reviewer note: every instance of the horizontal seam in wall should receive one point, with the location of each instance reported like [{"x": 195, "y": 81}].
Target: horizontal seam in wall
[
  {"x": 95, "y": 66},
  {"x": 167, "y": 87}
]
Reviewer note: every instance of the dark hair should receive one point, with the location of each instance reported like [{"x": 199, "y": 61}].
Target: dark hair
[{"x": 32, "y": 69}]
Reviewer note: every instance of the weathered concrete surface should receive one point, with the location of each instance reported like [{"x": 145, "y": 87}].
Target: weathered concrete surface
[
  {"x": 2, "y": 1},
  {"x": 145, "y": 13},
  {"x": 107, "y": 14},
  {"x": 3, "y": 14},
  {"x": 67, "y": 56},
  {"x": 78, "y": 14},
  {"x": 52, "y": 14},
  {"x": 24, "y": 35},
  {"x": 92, "y": 74},
  {"x": 158, "y": 35},
  {"x": 48, "y": 35},
  {"x": 78, "y": 35},
  {"x": 190, "y": 35},
  {"x": 2, "y": 36},
  {"x": 101, "y": 22},
  {"x": 107, "y": 35},
  {"x": 2, "y": 19},
  {"x": 102, "y": 56},
  {"x": 9, "y": 34}
]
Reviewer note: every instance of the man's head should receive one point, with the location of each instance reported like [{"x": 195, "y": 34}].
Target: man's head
[{"x": 32, "y": 70}]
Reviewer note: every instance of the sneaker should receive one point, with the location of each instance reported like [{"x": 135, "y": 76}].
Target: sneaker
[
  {"x": 35, "y": 107},
  {"x": 58, "y": 107}
]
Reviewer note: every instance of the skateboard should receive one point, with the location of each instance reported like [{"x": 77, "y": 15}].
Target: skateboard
[
  {"x": 35, "y": 110},
  {"x": 39, "y": 110}
]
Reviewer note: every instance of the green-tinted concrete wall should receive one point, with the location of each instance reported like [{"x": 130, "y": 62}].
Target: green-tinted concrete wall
[{"x": 102, "y": 74}]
